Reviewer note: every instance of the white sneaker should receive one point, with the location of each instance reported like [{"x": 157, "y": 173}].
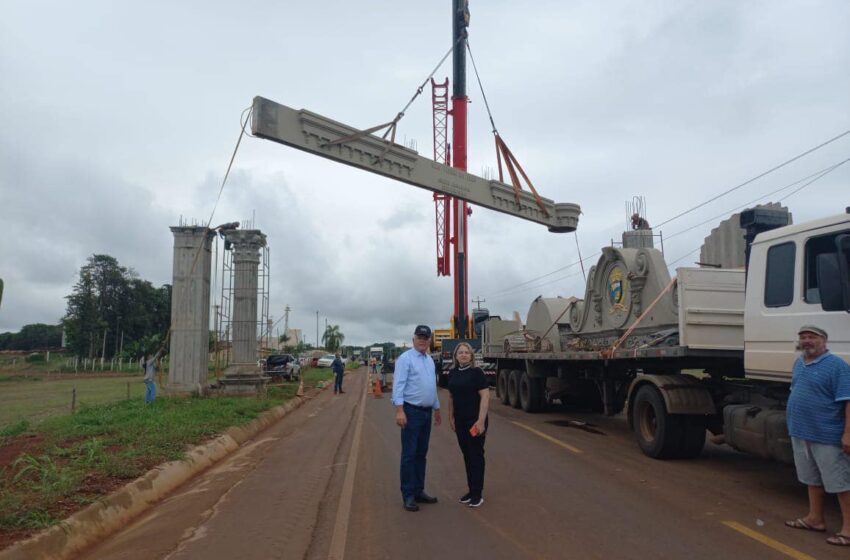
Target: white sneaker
[{"x": 476, "y": 502}]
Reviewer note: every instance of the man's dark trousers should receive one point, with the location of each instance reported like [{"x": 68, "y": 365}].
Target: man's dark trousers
[
  {"x": 414, "y": 447},
  {"x": 338, "y": 380}
]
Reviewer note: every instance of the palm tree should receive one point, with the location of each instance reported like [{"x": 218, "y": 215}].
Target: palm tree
[{"x": 332, "y": 338}]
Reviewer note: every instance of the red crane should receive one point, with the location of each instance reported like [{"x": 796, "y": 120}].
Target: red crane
[
  {"x": 451, "y": 212},
  {"x": 442, "y": 202}
]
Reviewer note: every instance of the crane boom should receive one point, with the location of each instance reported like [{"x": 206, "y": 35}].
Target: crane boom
[{"x": 311, "y": 132}]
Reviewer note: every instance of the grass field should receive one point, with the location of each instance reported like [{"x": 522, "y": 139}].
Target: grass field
[
  {"x": 34, "y": 398},
  {"x": 52, "y": 463}
]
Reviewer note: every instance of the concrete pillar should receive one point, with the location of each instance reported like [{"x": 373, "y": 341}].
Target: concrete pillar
[
  {"x": 190, "y": 310},
  {"x": 243, "y": 375}
]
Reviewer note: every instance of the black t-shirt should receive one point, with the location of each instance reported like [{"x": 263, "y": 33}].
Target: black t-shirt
[{"x": 464, "y": 385}]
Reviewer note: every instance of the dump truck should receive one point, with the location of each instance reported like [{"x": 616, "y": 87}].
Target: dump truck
[{"x": 709, "y": 350}]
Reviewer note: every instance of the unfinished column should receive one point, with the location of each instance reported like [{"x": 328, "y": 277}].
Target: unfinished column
[
  {"x": 243, "y": 375},
  {"x": 190, "y": 310}
]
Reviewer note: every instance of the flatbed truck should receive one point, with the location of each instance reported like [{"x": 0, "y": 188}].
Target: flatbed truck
[{"x": 708, "y": 351}]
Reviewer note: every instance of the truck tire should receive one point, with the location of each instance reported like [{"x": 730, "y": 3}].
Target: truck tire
[
  {"x": 502, "y": 385},
  {"x": 658, "y": 434},
  {"x": 530, "y": 393},
  {"x": 513, "y": 388}
]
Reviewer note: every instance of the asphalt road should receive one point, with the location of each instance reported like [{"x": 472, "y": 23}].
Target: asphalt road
[{"x": 323, "y": 483}]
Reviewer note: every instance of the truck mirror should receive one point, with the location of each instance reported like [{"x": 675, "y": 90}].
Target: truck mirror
[{"x": 832, "y": 284}]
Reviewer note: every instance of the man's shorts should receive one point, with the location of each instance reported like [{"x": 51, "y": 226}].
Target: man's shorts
[{"x": 819, "y": 464}]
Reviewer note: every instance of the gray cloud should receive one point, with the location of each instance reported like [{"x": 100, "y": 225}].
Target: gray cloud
[{"x": 119, "y": 120}]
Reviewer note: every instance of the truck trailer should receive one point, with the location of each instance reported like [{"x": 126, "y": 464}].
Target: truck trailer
[{"x": 709, "y": 350}]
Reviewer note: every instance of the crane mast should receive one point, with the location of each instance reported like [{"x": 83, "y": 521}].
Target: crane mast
[{"x": 460, "y": 208}]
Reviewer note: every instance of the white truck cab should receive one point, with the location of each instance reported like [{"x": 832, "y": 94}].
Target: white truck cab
[{"x": 797, "y": 275}]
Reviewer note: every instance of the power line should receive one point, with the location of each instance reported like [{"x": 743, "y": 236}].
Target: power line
[
  {"x": 809, "y": 179},
  {"x": 817, "y": 175},
  {"x": 747, "y": 182}
]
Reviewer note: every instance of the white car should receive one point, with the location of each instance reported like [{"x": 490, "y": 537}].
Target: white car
[{"x": 326, "y": 360}]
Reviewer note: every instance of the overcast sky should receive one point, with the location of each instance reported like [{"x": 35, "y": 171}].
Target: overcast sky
[{"x": 118, "y": 119}]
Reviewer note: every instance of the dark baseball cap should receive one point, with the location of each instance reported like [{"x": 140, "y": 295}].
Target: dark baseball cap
[{"x": 422, "y": 330}]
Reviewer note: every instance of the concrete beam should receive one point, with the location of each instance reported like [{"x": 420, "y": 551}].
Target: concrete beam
[{"x": 311, "y": 132}]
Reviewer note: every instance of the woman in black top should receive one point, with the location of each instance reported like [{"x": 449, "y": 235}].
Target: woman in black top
[{"x": 469, "y": 396}]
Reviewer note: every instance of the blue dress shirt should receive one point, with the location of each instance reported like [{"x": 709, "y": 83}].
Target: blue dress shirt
[{"x": 415, "y": 381}]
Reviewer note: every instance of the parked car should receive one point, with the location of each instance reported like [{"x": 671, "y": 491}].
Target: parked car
[
  {"x": 284, "y": 366},
  {"x": 326, "y": 360}
]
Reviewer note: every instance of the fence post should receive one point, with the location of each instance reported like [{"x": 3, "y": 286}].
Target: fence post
[{"x": 73, "y": 400}]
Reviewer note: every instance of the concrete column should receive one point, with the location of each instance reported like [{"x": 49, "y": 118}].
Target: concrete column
[
  {"x": 243, "y": 374},
  {"x": 190, "y": 310}
]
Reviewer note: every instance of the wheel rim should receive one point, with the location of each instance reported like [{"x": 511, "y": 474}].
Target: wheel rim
[{"x": 647, "y": 421}]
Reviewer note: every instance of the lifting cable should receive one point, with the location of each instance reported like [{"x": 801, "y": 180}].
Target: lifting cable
[
  {"x": 392, "y": 125},
  {"x": 244, "y": 121},
  {"x": 502, "y": 150}
]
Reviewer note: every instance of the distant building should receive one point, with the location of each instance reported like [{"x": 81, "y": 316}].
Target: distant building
[{"x": 294, "y": 338}]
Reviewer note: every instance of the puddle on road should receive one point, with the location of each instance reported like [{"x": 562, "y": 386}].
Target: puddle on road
[{"x": 579, "y": 425}]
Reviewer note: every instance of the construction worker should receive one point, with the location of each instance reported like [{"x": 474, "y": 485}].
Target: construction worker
[
  {"x": 150, "y": 371},
  {"x": 339, "y": 370}
]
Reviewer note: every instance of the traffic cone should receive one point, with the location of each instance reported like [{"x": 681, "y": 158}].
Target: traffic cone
[
  {"x": 369, "y": 385},
  {"x": 377, "y": 391},
  {"x": 300, "y": 391}
]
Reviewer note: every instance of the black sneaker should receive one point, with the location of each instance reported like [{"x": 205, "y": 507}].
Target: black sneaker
[
  {"x": 476, "y": 502},
  {"x": 465, "y": 498}
]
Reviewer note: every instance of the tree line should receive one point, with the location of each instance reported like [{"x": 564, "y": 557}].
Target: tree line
[{"x": 110, "y": 312}]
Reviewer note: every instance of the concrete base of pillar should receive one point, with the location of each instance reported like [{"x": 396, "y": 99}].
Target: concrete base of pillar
[
  {"x": 243, "y": 379},
  {"x": 179, "y": 389}
]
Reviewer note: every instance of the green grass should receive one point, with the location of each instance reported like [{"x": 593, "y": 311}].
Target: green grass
[
  {"x": 314, "y": 375},
  {"x": 36, "y": 398},
  {"x": 101, "y": 444}
]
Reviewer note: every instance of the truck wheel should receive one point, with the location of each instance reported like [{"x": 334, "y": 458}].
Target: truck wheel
[
  {"x": 502, "y": 386},
  {"x": 658, "y": 434},
  {"x": 529, "y": 393},
  {"x": 513, "y": 388}
]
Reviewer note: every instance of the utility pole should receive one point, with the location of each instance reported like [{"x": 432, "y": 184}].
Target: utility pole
[
  {"x": 478, "y": 301},
  {"x": 460, "y": 208},
  {"x": 317, "y": 329}
]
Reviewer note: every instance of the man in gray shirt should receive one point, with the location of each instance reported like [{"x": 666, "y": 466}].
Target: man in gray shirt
[{"x": 150, "y": 370}]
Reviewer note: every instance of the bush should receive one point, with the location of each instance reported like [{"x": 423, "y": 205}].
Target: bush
[{"x": 35, "y": 358}]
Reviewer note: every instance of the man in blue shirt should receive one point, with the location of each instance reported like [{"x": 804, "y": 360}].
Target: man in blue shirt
[
  {"x": 819, "y": 425},
  {"x": 339, "y": 370},
  {"x": 415, "y": 398}
]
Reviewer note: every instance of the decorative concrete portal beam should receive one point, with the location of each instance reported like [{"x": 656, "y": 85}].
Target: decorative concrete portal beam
[{"x": 312, "y": 133}]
